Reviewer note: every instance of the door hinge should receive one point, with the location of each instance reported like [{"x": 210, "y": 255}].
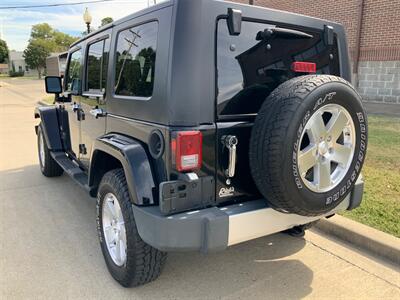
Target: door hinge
[{"x": 82, "y": 149}]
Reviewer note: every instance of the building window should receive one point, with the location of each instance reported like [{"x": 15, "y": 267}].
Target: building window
[
  {"x": 135, "y": 60},
  {"x": 26, "y": 69},
  {"x": 20, "y": 68},
  {"x": 97, "y": 62}
]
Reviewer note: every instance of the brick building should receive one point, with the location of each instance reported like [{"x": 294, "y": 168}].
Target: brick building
[{"x": 373, "y": 32}]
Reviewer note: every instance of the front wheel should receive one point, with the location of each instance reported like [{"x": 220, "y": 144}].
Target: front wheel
[
  {"x": 129, "y": 259},
  {"x": 48, "y": 166}
]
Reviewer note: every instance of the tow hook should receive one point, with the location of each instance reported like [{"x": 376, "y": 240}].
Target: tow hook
[{"x": 230, "y": 142}]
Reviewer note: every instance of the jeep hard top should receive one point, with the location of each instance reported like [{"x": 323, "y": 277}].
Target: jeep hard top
[{"x": 203, "y": 124}]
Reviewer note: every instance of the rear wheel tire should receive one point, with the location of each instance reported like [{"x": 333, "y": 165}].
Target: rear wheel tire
[
  {"x": 129, "y": 259},
  {"x": 48, "y": 166},
  {"x": 308, "y": 144}
]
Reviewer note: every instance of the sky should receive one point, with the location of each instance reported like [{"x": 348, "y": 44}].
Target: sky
[{"x": 15, "y": 24}]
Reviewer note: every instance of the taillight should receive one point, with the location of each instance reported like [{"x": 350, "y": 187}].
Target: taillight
[
  {"x": 186, "y": 149},
  {"x": 304, "y": 67}
]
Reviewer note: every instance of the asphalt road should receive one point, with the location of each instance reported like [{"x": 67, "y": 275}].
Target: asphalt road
[{"x": 49, "y": 247}]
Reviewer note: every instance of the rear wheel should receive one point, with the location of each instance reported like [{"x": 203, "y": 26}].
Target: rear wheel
[
  {"x": 48, "y": 166},
  {"x": 129, "y": 259},
  {"x": 308, "y": 144}
]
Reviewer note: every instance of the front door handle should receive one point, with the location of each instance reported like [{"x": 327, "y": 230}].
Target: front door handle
[{"x": 97, "y": 112}]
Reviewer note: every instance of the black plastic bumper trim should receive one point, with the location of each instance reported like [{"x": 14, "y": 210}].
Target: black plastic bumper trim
[{"x": 207, "y": 230}]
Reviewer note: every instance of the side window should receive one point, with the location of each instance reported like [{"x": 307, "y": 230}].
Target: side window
[
  {"x": 73, "y": 77},
  {"x": 135, "y": 60},
  {"x": 97, "y": 62}
]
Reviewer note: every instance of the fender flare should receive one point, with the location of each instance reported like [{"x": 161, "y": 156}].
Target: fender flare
[
  {"x": 50, "y": 125},
  {"x": 134, "y": 160}
]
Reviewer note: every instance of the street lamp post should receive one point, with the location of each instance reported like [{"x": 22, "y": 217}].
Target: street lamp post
[{"x": 87, "y": 18}]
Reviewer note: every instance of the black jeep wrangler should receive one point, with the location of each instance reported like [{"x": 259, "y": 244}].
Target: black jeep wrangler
[{"x": 203, "y": 124}]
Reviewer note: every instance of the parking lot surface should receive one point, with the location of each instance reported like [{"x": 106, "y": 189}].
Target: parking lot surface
[{"x": 49, "y": 246}]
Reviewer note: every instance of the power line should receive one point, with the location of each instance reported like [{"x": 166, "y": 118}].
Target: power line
[{"x": 55, "y": 4}]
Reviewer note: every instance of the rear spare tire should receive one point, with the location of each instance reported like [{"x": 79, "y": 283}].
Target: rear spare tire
[{"x": 308, "y": 144}]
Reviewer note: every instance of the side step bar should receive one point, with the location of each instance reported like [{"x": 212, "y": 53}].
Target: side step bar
[{"x": 76, "y": 173}]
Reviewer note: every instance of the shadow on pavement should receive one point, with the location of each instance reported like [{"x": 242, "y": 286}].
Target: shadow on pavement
[{"x": 54, "y": 251}]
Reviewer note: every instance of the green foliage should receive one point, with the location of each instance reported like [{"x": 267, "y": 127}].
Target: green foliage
[
  {"x": 42, "y": 31},
  {"x": 62, "y": 41},
  {"x": 56, "y": 41},
  {"x": 381, "y": 203},
  {"x": 16, "y": 73},
  {"x": 3, "y": 51},
  {"x": 106, "y": 21},
  {"x": 44, "y": 40},
  {"x": 36, "y": 53}
]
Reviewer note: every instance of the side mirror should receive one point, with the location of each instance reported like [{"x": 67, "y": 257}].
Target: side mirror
[
  {"x": 234, "y": 21},
  {"x": 53, "y": 84}
]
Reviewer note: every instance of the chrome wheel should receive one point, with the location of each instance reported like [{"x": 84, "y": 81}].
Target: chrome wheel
[
  {"x": 42, "y": 155},
  {"x": 326, "y": 148},
  {"x": 114, "y": 229}
]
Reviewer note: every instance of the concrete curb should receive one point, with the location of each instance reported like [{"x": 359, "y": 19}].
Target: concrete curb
[{"x": 362, "y": 236}]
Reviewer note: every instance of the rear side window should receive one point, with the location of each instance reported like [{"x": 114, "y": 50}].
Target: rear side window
[
  {"x": 74, "y": 74},
  {"x": 250, "y": 69},
  {"x": 135, "y": 60},
  {"x": 97, "y": 62}
]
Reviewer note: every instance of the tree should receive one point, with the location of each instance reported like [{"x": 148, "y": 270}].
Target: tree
[
  {"x": 36, "y": 53},
  {"x": 57, "y": 41},
  {"x": 3, "y": 51},
  {"x": 62, "y": 41},
  {"x": 106, "y": 21},
  {"x": 42, "y": 31},
  {"x": 44, "y": 40}
]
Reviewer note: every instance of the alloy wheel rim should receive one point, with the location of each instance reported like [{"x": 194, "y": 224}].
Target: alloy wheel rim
[
  {"x": 41, "y": 150},
  {"x": 326, "y": 148},
  {"x": 114, "y": 229}
]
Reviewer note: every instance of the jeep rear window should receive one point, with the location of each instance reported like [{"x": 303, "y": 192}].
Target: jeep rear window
[
  {"x": 248, "y": 70},
  {"x": 135, "y": 60}
]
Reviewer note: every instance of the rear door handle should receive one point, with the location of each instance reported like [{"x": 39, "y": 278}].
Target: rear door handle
[{"x": 230, "y": 142}]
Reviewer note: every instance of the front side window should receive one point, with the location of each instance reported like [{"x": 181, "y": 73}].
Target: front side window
[
  {"x": 97, "y": 62},
  {"x": 135, "y": 60},
  {"x": 74, "y": 72}
]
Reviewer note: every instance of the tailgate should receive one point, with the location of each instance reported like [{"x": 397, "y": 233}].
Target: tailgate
[{"x": 249, "y": 67}]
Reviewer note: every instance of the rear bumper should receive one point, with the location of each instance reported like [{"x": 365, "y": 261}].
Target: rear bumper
[{"x": 216, "y": 228}]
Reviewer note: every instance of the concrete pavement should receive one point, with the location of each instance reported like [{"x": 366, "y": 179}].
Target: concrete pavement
[{"x": 49, "y": 247}]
